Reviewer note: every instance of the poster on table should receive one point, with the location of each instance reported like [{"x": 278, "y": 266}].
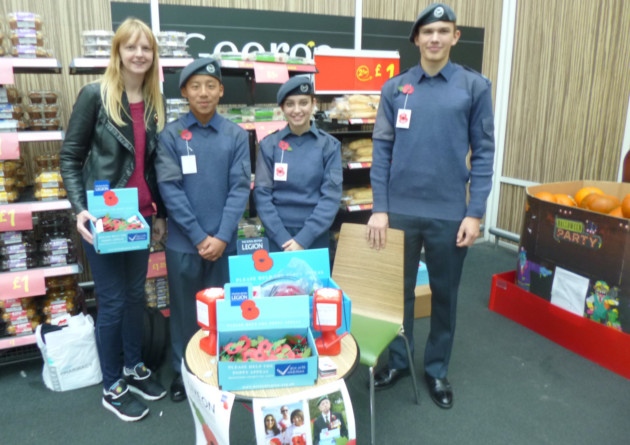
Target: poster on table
[
  {"x": 322, "y": 415},
  {"x": 211, "y": 409}
]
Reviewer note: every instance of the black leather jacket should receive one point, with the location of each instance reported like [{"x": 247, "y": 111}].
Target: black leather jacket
[{"x": 95, "y": 148}]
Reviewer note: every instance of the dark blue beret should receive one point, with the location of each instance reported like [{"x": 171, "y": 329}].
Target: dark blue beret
[
  {"x": 436, "y": 12},
  {"x": 295, "y": 86},
  {"x": 207, "y": 66}
]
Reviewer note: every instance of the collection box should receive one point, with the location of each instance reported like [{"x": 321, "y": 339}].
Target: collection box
[
  {"x": 274, "y": 318},
  {"x": 577, "y": 258},
  {"x": 117, "y": 203},
  {"x": 265, "y": 269}
]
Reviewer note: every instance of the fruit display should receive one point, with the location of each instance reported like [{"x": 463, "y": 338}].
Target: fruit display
[{"x": 591, "y": 198}]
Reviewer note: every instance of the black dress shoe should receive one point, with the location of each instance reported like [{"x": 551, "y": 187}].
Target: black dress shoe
[
  {"x": 178, "y": 391},
  {"x": 387, "y": 376},
  {"x": 440, "y": 390}
]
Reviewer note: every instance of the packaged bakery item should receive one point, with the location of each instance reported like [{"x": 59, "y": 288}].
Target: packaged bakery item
[
  {"x": 9, "y": 197},
  {"x": 19, "y": 20},
  {"x": 61, "y": 281},
  {"x": 42, "y": 111},
  {"x": 10, "y": 94},
  {"x": 97, "y": 37},
  {"x": 10, "y": 111},
  {"x": 47, "y": 162},
  {"x": 30, "y": 51},
  {"x": 48, "y": 179},
  {"x": 43, "y": 96},
  {"x": 51, "y": 124},
  {"x": 49, "y": 194},
  {"x": 26, "y": 36}
]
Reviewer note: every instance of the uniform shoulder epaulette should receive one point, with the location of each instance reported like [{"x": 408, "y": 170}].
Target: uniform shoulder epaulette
[
  {"x": 401, "y": 73},
  {"x": 467, "y": 68}
]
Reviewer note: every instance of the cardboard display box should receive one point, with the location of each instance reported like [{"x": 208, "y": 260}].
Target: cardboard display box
[
  {"x": 576, "y": 258},
  {"x": 247, "y": 269},
  {"x": 596, "y": 342},
  {"x": 276, "y": 317},
  {"x": 117, "y": 203}
]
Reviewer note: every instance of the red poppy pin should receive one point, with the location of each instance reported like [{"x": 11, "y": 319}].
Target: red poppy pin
[
  {"x": 185, "y": 134},
  {"x": 406, "y": 89},
  {"x": 110, "y": 198},
  {"x": 284, "y": 146}
]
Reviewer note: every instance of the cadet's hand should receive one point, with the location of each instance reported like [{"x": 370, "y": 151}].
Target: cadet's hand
[
  {"x": 291, "y": 245},
  {"x": 377, "y": 230},
  {"x": 468, "y": 231},
  {"x": 159, "y": 229},
  {"x": 82, "y": 225},
  {"x": 212, "y": 248}
]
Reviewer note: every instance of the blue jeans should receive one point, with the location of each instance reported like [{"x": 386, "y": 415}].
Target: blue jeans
[{"x": 119, "y": 280}]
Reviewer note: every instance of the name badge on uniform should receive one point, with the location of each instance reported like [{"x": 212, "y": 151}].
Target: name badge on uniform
[
  {"x": 403, "y": 118},
  {"x": 189, "y": 164},
  {"x": 280, "y": 171}
]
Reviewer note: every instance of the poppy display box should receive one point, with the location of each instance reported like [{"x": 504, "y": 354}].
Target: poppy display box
[
  {"x": 117, "y": 203},
  {"x": 275, "y": 266},
  {"x": 564, "y": 247},
  {"x": 593, "y": 341},
  {"x": 271, "y": 318}
]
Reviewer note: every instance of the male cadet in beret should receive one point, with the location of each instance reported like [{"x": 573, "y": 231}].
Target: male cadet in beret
[
  {"x": 204, "y": 173},
  {"x": 298, "y": 175},
  {"x": 430, "y": 118}
]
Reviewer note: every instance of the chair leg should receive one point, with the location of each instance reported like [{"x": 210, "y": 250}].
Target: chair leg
[
  {"x": 372, "y": 420},
  {"x": 411, "y": 367}
]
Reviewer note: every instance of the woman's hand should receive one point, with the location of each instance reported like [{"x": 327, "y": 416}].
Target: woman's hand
[{"x": 82, "y": 225}]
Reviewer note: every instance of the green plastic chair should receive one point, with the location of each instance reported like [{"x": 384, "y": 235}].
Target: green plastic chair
[{"x": 373, "y": 280}]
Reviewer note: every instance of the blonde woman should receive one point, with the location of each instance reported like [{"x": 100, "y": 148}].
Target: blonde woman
[{"x": 112, "y": 136}]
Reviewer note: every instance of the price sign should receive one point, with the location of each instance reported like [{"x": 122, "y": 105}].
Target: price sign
[
  {"x": 265, "y": 128},
  {"x": 6, "y": 71},
  {"x": 157, "y": 265},
  {"x": 9, "y": 146},
  {"x": 270, "y": 72},
  {"x": 343, "y": 71},
  {"x": 15, "y": 218},
  {"x": 26, "y": 283}
]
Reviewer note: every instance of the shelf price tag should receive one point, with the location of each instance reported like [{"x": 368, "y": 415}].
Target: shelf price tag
[
  {"x": 265, "y": 128},
  {"x": 6, "y": 71},
  {"x": 28, "y": 283},
  {"x": 157, "y": 265},
  {"x": 270, "y": 72},
  {"x": 9, "y": 146},
  {"x": 354, "y": 70},
  {"x": 15, "y": 218}
]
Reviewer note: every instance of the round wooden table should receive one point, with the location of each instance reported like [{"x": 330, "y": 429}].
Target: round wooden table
[{"x": 204, "y": 367}]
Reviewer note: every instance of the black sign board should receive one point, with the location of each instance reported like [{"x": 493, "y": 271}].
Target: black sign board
[{"x": 239, "y": 29}]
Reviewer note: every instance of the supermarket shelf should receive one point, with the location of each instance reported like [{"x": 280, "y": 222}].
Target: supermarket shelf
[
  {"x": 15, "y": 342},
  {"x": 40, "y": 136},
  {"x": 22, "y": 65},
  {"x": 249, "y": 65},
  {"x": 357, "y": 207},
  {"x": 35, "y": 274},
  {"x": 97, "y": 65},
  {"x": 38, "y": 206},
  {"x": 358, "y": 165}
]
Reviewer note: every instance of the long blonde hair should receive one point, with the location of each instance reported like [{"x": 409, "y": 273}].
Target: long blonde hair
[{"x": 112, "y": 82}]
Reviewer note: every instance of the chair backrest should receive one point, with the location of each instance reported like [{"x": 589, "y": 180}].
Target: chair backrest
[{"x": 373, "y": 279}]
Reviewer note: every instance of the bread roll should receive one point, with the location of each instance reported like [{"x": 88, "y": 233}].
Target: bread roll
[{"x": 364, "y": 142}]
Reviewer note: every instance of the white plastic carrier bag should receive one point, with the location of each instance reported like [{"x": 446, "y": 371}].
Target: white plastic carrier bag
[{"x": 70, "y": 355}]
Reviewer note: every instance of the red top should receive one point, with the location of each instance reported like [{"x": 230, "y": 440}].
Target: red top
[{"x": 145, "y": 200}]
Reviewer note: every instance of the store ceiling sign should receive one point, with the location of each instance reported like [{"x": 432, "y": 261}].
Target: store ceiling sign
[{"x": 342, "y": 71}]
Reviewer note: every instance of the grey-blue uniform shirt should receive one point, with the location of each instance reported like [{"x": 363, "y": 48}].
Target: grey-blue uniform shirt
[
  {"x": 309, "y": 199},
  {"x": 422, "y": 171},
  {"x": 211, "y": 201}
]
